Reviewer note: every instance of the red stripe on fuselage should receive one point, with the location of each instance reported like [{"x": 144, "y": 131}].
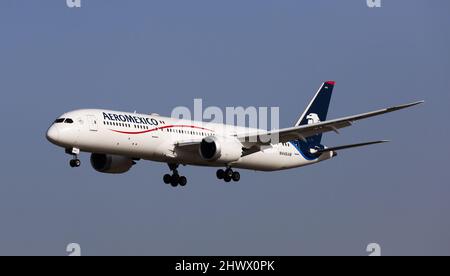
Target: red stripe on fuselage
[{"x": 158, "y": 128}]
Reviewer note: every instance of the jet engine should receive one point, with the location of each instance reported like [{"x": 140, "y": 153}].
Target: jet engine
[
  {"x": 223, "y": 150},
  {"x": 115, "y": 164}
]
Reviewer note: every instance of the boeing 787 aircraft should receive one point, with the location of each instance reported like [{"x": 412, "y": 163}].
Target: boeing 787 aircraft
[{"x": 117, "y": 139}]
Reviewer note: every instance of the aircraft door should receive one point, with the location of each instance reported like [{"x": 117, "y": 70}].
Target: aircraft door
[{"x": 92, "y": 122}]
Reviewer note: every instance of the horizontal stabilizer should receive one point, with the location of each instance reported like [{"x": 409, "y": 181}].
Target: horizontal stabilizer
[
  {"x": 352, "y": 146},
  {"x": 302, "y": 132}
]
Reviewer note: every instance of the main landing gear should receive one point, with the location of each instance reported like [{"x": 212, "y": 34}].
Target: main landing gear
[
  {"x": 175, "y": 179},
  {"x": 228, "y": 175},
  {"x": 74, "y": 162}
]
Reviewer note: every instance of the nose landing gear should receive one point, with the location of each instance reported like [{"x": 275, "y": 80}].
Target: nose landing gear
[
  {"x": 228, "y": 175},
  {"x": 175, "y": 179},
  {"x": 74, "y": 162}
]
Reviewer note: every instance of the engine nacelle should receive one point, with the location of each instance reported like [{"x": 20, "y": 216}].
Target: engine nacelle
[
  {"x": 219, "y": 149},
  {"x": 106, "y": 163}
]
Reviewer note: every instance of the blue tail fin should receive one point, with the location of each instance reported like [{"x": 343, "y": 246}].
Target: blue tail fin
[{"x": 317, "y": 111}]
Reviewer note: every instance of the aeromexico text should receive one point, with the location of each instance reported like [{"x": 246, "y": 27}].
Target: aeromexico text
[{"x": 130, "y": 119}]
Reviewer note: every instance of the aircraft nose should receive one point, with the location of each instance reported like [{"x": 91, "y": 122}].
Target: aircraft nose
[{"x": 53, "y": 134}]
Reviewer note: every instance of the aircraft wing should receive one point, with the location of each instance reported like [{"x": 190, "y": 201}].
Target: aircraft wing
[
  {"x": 305, "y": 131},
  {"x": 351, "y": 146}
]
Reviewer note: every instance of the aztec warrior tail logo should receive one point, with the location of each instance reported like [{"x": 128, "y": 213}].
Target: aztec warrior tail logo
[{"x": 313, "y": 118}]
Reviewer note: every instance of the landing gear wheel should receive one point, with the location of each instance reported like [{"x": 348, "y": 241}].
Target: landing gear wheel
[
  {"x": 220, "y": 174},
  {"x": 228, "y": 173},
  {"x": 236, "y": 176},
  {"x": 175, "y": 180},
  {"x": 75, "y": 163},
  {"x": 167, "y": 178},
  {"x": 227, "y": 179},
  {"x": 182, "y": 181}
]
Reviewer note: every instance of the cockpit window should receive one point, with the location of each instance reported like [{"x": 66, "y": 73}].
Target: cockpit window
[
  {"x": 68, "y": 121},
  {"x": 60, "y": 120}
]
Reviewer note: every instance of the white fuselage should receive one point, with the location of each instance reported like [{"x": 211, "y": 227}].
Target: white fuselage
[{"x": 154, "y": 138}]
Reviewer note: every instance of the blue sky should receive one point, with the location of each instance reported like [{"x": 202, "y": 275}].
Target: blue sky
[{"x": 152, "y": 56}]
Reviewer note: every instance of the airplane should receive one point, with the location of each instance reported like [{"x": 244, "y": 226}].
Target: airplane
[{"x": 116, "y": 140}]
